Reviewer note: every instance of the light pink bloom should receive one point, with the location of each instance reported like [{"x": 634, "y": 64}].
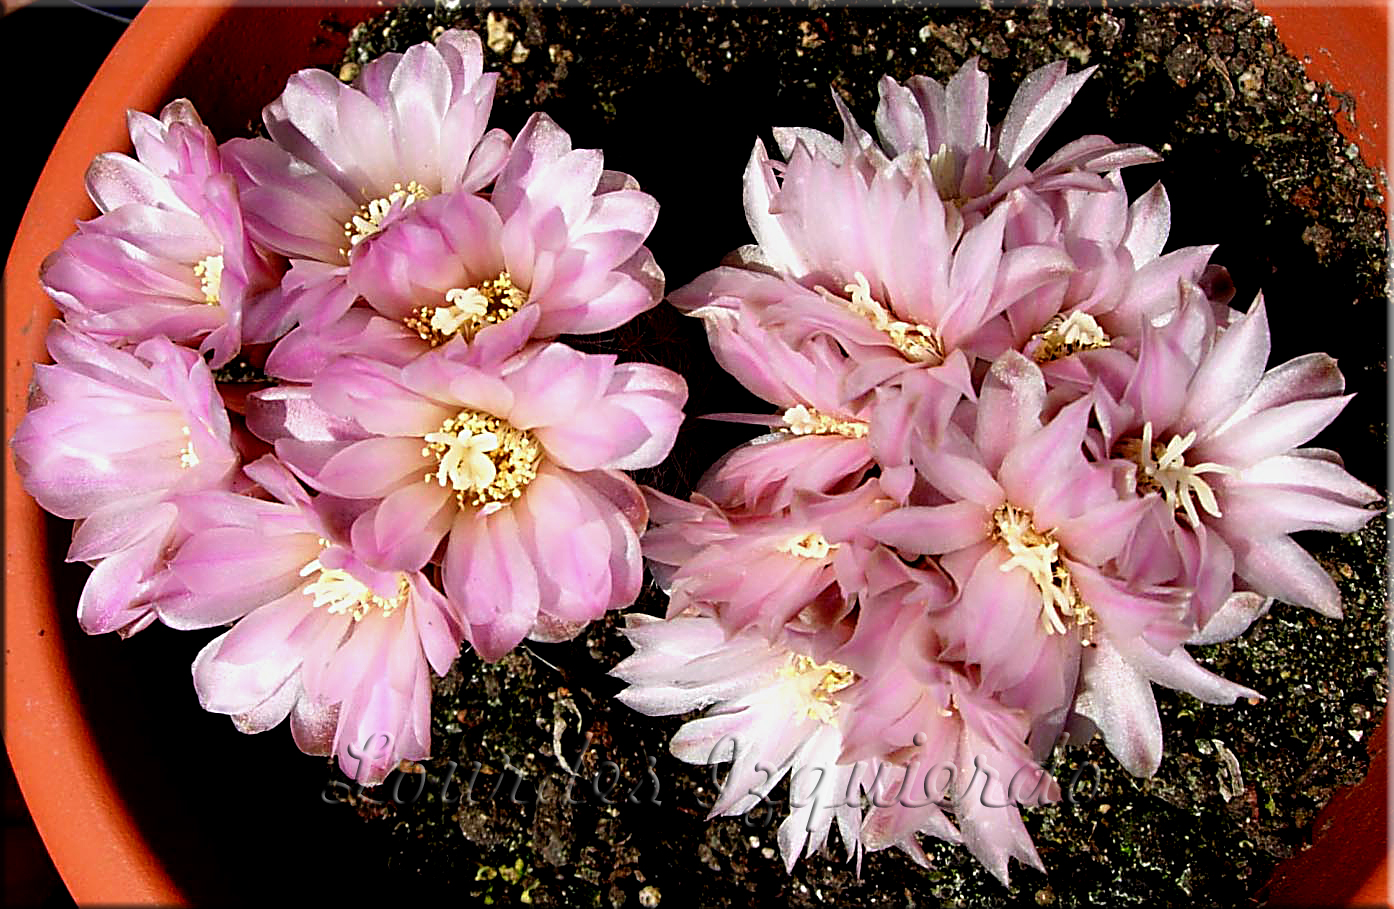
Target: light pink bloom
[
  {"x": 800, "y": 565},
  {"x": 1087, "y": 327},
  {"x": 555, "y": 248},
  {"x": 876, "y": 263},
  {"x": 816, "y": 444},
  {"x": 974, "y": 165},
  {"x": 1204, "y": 426},
  {"x": 346, "y": 161},
  {"x": 111, "y": 437},
  {"x": 844, "y": 732},
  {"x": 169, "y": 255},
  {"x": 949, "y": 745},
  {"x": 1037, "y": 539},
  {"x": 774, "y": 712},
  {"x": 519, "y": 466},
  {"x": 342, "y": 649}
]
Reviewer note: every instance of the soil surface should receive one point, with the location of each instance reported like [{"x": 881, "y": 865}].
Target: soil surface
[{"x": 575, "y": 799}]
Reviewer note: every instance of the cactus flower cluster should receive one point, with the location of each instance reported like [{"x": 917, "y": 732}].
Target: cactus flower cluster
[{"x": 1018, "y": 456}]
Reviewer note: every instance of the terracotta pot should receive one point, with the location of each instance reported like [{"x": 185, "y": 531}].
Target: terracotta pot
[
  {"x": 127, "y": 821},
  {"x": 1345, "y": 43}
]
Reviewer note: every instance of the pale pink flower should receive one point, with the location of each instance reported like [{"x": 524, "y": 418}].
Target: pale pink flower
[
  {"x": 975, "y": 165},
  {"x": 168, "y": 255},
  {"x": 347, "y": 161},
  {"x": 111, "y": 437},
  {"x": 1086, "y": 328},
  {"x": 517, "y": 468},
  {"x": 342, "y": 649},
  {"x": 1036, "y": 538},
  {"x": 773, "y": 712},
  {"x": 848, "y": 726},
  {"x": 815, "y": 443},
  {"x": 1202, "y": 425},
  {"x": 555, "y": 248},
  {"x": 798, "y": 565}
]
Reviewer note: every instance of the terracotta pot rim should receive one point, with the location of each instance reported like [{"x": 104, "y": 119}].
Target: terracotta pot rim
[{"x": 83, "y": 818}]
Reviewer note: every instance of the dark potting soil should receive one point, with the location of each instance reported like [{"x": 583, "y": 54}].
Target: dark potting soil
[{"x": 576, "y": 801}]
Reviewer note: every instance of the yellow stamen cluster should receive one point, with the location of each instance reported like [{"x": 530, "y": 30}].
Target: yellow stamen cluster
[
  {"x": 187, "y": 456},
  {"x": 467, "y": 310},
  {"x": 1163, "y": 469},
  {"x": 811, "y": 545},
  {"x": 916, "y": 343},
  {"x": 487, "y": 460},
  {"x": 1065, "y": 335},
  {"x": 209, "y": 272},
  {"x": 368, "y": 220},
  {"x": 805, "y": 421},
  {"x": 1038, "y": 554},
  {"x": 816, "y": 684},
  {"x": 344, "y": 594}
]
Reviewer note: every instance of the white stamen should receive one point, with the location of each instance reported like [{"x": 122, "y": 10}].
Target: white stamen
[
  {"x": 486, "y": 460},
  {"x": 187, "y": 456},
  {"x": 942, "y": 170},
  {"x": 468, "y": 310},
  {"x": 370, "y": 216},
  {"x": 1038, "y": 554},
  {"x": 814, "y": 685},
  {"x": 917, "y": 343},
  {"x": 1164, "y": 468},
  {"x": 1066, "y": 335},
  {"x": 344, "y": 594},
  {"x": 465, "y": 464}
]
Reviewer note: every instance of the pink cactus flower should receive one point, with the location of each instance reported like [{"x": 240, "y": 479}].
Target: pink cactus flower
[
  {"x": 1087, "y": 328},
  {"x": 110, "y": 439},
  {"x": 555, "y": 248},
  {"x": 954, "y": 746},
  {"x": 774, "y": 712},
  {"x": 169, "y": 254},
  {"x": 763, "y": 569},
  {"x": 815, "y": 444},
  {"x": 519, "y": 466},
  {"x": 342, "y": 649},
  {"x": 347, "y": 161},
  {"x": 975, "y": 166},
  {"x": 844, "y": 734},
  {"x": 1036, "y": 538},
  {"x": 1203, "y": 426}
]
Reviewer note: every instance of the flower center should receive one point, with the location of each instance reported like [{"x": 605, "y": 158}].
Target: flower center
[
  {"x": 371, "y": 215},
  {"x": 811, "y": 545},
  {"x": 815, "y": 685},
  {"x": 1038, "y": 554},
  {"x": 916, "y": 343},
  {"x": 485, "y": 459},
  {"x": 805, "y": 421},
  {"x": 346, "y": 595},
  {"x": 187, "y": 457},
  {"x": 944, "y": 172},
  {"x": 1065, "y": 335},
  {"x": 1163, "y": 469},
  {"x": 209, "y": 272},
  {"x": 467, "y": 310}
]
